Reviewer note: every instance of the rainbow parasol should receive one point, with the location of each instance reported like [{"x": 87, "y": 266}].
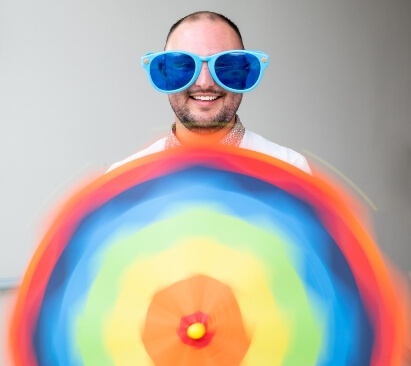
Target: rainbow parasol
[{"x": 207, "y": 256}]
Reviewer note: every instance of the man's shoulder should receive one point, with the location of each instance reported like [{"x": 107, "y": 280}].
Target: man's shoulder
[
  {"x": 250, "y": 141},
  {"x": 157, "y": 146},
  {"x": 255, "y": 142}
]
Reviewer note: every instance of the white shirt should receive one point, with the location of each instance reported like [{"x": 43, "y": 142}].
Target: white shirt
[{"x": 250, "y": 141}]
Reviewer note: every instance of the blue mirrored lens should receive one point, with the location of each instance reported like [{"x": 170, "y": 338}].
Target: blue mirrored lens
[
  {"x": 238, "y": 70},
  {"x": 172, "y": 71}
]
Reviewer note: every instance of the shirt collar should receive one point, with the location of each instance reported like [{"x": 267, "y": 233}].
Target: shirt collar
[{"x": 232, "y": 138}]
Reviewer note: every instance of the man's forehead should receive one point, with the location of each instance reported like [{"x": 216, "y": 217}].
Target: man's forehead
[{"x": 214, "y": 30}]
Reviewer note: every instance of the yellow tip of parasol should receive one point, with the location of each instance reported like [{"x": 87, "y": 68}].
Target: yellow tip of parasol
[{"x": 196, "y": 331}]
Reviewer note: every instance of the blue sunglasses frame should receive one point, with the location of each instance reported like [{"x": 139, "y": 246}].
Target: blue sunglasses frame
[{"x": 263, "y": 58}]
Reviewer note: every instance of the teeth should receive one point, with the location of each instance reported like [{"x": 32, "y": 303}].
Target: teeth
[{"x": 204, "y": 97}]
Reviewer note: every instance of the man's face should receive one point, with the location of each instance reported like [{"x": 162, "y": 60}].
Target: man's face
[{"x": 205, "y": 107}]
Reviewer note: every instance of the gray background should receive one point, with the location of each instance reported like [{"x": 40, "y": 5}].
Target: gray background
[{"x": 74, "y": 99}]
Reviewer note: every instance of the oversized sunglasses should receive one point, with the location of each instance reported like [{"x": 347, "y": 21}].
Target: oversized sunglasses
[{"x": 238, "y": 71}]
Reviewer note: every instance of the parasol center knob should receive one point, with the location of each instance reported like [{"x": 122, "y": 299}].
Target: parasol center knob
[{"x": 196, "y": 331}]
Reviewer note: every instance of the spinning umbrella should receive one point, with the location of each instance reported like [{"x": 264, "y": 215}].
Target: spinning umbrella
[{"x": 207, "y": 256}]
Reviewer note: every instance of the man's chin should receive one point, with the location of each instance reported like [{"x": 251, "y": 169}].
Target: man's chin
[{"x": 204, "y": 127}]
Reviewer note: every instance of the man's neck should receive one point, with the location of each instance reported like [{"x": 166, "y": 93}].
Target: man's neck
[{"x": 186, "y": 136}]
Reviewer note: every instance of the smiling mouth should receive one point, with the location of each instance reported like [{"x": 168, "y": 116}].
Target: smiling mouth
[{"x": 205, "y": 97}]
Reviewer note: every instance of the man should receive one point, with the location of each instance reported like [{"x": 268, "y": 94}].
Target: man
[{"x": 206, "y": 94}]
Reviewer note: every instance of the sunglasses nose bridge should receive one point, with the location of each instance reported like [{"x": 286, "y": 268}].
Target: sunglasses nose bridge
[
  {"x": 204, "y": 61},
  {"x": 204, "y": 78},
  {"x": 204, "y": 58}
]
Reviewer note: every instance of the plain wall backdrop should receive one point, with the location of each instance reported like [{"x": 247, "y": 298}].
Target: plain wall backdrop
[{"x": 74, "y": 99}]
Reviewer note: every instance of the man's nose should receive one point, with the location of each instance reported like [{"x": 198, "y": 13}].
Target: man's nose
[{"x": 204, "y": 79}]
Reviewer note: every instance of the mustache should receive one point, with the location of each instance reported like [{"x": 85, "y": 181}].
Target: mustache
[{"x": 217, "y": 92}]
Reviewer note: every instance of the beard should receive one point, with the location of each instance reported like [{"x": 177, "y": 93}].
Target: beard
[{"x": 201, "y": 122}]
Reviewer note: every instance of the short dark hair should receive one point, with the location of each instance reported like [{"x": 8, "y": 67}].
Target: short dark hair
[{"x": 205, "y": 14}]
